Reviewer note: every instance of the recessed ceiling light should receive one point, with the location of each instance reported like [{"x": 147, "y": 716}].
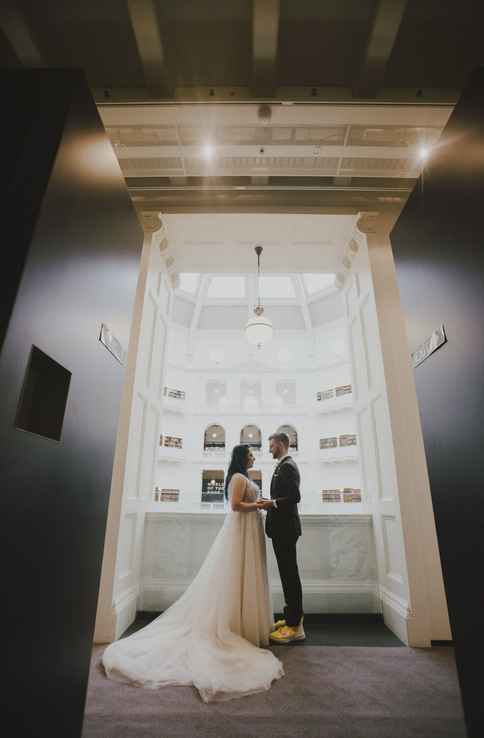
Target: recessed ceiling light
[
  {"x": 423, "y": 153},
  {"x": 208, "y": 151}
]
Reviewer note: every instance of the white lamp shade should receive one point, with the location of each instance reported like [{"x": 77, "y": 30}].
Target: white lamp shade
[{"x": 258, "y": 330}]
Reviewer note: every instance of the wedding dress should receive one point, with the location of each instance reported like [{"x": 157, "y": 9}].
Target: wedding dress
[{"x": 210, "y": 637}]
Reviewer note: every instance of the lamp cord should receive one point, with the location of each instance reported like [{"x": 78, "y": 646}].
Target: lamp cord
[{"x": 258, "y": 251}]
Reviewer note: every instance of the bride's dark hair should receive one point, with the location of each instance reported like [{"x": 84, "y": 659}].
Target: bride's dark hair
[{"x": 238, "y": 464}]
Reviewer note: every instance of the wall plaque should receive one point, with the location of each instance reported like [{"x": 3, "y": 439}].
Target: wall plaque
[
  {"x": 112, "y": 344},
  {"x": 431, "y": 344}
]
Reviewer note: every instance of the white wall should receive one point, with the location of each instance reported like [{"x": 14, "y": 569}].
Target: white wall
[
  {"x": 135, "y": 461},
  {"x": 309, "y": 362},
  {"x": 393, "y": 461},
  {"x": 336, "y": 558}
]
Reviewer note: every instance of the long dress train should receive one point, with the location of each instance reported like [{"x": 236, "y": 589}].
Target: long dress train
[{"x": 210, "y": 636}]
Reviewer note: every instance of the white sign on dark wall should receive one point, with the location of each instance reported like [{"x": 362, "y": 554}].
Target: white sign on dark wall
[
  {"x": 431, "y": 344},
  {"x": 112, "y": 344}
]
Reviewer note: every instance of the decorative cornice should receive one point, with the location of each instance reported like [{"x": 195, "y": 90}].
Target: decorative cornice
[
  {"x": 367, "y": 223},
  {"x": 350, "y": 252},
  {"x": 372, "y": 223},
  {"x": 150, "y": 222}
]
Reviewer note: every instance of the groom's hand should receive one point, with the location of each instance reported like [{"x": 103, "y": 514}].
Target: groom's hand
[{"x": 264, "y": 504}]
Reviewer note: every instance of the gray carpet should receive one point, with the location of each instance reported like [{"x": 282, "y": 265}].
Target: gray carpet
[{"x": 335, "y": 692}]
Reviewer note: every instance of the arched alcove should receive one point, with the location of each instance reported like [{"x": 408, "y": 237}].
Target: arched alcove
[
  {"x": 252, "y": 436},
  {"x": 214, "y": 438},
  {"x": 292, "y": 433}
]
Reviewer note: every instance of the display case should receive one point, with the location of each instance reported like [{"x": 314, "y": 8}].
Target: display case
[
  {"x": 335, "y": 399},
  {"x": 213, "y": 485},
  {"x": 166, "y": 495},
  {"x": 343, "y": 495},
  {"x": 171, "y": 447},
  {"x": 339, "y": 448},
  {"x": 174, "y": 400}
]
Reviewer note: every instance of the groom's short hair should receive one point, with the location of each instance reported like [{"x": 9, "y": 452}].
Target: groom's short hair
[{"x": 281, "y": 437}]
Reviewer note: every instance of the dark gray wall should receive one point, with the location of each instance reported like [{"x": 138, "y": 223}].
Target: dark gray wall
[
  {"x": 74, "y": 241},
  {"x": 438, "y": 244}
]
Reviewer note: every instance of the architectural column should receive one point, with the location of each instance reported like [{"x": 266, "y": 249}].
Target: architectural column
[
  {"x": 106, "y": 618},
  {"x": 428, "y": 617}
]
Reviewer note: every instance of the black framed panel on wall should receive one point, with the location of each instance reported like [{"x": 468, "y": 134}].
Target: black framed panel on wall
[{"x": 43, "y": 399}]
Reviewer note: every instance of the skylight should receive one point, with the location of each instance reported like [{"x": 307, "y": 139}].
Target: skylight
[
  {"x": 226, "y": 288},
  {"x": 277, "y": 287},
  {"x": 318, "y": 282},
  {"x": 189, "y": 282}
]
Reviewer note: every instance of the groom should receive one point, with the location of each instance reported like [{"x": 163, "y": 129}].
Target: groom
[{"x": 284, "y": 527}]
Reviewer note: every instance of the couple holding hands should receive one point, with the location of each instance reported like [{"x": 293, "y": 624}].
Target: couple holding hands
[{"x": 215, "y": 635}]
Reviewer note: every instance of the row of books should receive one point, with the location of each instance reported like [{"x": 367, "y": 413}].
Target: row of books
[
  {"x": 332, "y": 392},
  {"x": 174, "y": 394},
  {"x": 328, "y": 394},
  {"x": 346, "y": 439},
  {"x": 166, "y": 495},
  {"x": 171, "y": 441},
  {"x": 347, "y": 494}
]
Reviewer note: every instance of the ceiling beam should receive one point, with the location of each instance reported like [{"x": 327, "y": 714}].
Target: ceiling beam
[
  {"x": 265, "y": 37},
  {"x": 18, "y": 33},
  {"x": 179, "y": 181},
  {"x": 259, "y": 181},
  {"x": 442, "y": 96},
  {"x": 146, "y": 29},
  {"x": 300, "y": 201},
  {"x": 381, "y": 40}
]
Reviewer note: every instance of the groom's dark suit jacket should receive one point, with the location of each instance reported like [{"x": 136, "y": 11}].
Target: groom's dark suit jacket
[{"x": 283, "y": 521}]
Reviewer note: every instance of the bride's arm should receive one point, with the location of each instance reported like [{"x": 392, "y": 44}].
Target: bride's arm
[{"x": 239, "y": 483}]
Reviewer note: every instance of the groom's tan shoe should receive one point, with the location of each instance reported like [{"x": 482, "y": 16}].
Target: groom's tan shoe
[{"x": 288, "y": 634}]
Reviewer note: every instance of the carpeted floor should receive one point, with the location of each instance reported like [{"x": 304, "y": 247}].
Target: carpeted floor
[{"x": 328, "y": 691}]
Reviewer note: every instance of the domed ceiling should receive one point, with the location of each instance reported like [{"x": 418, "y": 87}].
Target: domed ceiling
[{"x": 217, "y": 268}]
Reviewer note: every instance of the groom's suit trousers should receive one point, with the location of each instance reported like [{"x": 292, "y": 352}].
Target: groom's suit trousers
[
  {"x": 285, "y": 552},
  {"x": 284, "y": 527}
]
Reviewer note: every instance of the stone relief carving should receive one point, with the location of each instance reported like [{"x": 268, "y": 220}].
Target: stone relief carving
[{"x": 350, "y": 553}]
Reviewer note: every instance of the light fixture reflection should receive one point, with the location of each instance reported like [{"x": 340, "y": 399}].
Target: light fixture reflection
[
  {"x": 208, "y": 151},
  {"x": 423, "y": 153}
]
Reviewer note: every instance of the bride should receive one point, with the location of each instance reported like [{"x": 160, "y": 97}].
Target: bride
[{"x": 211, "y": 636}]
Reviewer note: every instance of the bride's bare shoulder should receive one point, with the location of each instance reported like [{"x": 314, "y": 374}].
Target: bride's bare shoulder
[{"x": 238, "y": 479}]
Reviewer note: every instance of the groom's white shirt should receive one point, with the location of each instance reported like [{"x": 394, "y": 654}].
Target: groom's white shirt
[{"x": 279, "y": 461}]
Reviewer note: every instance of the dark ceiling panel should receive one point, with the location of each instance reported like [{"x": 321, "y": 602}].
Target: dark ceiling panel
[
  {"x": 322, "y": 43},
  {"x": 439, "y": 43},
  {"x": 94, "y": 35},
  {"x": 207, "y": 43}
]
